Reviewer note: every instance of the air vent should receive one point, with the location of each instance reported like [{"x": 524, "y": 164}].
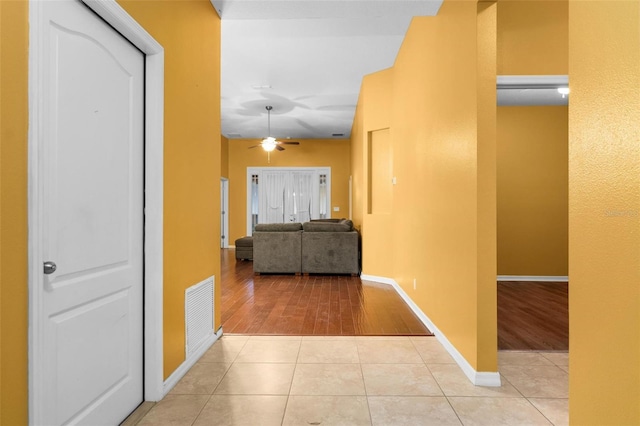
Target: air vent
[
  {"x": 198, "y": 314},
  {"x": 338, "y": 135},
  {"x": 234, "y": 135}
]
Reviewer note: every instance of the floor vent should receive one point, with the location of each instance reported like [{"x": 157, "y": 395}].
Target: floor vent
[{"x": 198, "y": 314}]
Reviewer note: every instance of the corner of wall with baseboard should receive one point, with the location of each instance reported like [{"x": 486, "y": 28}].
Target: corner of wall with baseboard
[
  {"x": 179, "y": 373},
  {"x": 199, "y": 328},
  {"x": 478, "y": 378}
]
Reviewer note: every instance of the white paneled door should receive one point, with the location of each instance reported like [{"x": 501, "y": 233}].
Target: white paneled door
[{"x": 92, "y": 185}]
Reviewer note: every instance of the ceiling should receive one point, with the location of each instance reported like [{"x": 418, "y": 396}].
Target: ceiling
[{"x": 306, "y": 59}]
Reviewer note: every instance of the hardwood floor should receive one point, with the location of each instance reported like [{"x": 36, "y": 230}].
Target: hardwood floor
[
  {"x": 533, "y": 316},
  {"x": 331, "y": 305}
]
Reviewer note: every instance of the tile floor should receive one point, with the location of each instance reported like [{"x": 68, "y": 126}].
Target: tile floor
[{"x": 261, "y": 380}]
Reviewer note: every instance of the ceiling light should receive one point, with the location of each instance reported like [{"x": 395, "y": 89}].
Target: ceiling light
[
  {"x": 269, "y": 144},
  {"x": 564, "y": 91}
]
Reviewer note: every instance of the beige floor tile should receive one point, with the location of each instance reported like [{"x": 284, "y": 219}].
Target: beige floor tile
[
  {"x": 262, "y": 351},
  {"x": 275, "y": 337},
  {"x": 224, "y": 350},
  {"x": 235, "y": 337},
  {"x": 328, "y": 351},
  {"x": 538, "y": 381},
  {"x": 327, "y": 411},
  {"x": 377, "y": 338},
  {"x": 432, "y": 351},
  {"x": 399, "y": 379},
  {"x": 316, "y": 338},
  {"x": 521, "y": 358},
  {"x": 257, "y": 379},
  {"x": 328, "y": 379},
  {"x": 138, "y": 414},
  {"x": 555, "y": 410},
  {"x": 175, "y": 410},
  {"x": 474, "y": 411},
  {"x": 388, "y": 352},
  {"x": 243, "y": 410},
  {"x": 453, "y": 382},
  {"x": 201, "y": 379},
  {"x": 558, "y": 358},
  {"x": 411, "y": 410}
]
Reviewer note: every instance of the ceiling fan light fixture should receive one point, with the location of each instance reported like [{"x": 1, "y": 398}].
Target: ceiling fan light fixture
[{"x": 269, "y": 144}]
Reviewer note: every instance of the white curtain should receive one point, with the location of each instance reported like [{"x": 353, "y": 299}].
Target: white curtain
[
  {"x": 323, "y": 197},
  {"x": 300, "y": 196},
  {"x": 272, "y": 197}
]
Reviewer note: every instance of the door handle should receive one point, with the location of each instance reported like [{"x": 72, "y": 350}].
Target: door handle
[{"x": 49, "y": 267}]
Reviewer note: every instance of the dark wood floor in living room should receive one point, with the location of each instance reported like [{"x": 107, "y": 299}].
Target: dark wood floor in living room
[
  {"x": 533, "y": 315},
  {"x": 331, "y": 305}
]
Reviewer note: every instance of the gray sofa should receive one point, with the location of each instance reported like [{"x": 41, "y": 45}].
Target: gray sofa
[
  {"x": 277, "y": 248},
  {"x": 317, "y": 247}
]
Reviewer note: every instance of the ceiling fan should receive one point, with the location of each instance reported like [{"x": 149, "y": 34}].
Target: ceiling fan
[{"x": 270, "y": 143}]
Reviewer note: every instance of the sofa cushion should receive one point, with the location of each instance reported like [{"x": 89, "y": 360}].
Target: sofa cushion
[
  {"x": 341, "y": 226},
  {"x": 279, "y": 227}
]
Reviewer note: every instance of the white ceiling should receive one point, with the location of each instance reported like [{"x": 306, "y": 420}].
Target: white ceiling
[{"x": 306, "y": 58}]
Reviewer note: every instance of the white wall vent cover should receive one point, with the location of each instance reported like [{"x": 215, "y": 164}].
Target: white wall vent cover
[{"x": 198, "y": 314}]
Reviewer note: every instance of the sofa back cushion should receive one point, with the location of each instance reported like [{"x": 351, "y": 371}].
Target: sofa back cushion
[
  {"x": 344, "y": 225},
  {"x": 278, "y": 227}
]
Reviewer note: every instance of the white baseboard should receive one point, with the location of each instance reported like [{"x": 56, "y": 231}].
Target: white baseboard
[
  {"x": 478, "y": 378},
  {"x": 179, "y": 373},
  {"x": 536, "y": 278}
]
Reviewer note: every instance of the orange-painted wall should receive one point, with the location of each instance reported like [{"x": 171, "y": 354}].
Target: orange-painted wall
[
  {"x": 192, "y": 152},
  {"x": 533, "y": 186},
  {"x": 191, "y": 195},
  {"x": 441, "y": 111},
  {"x": 533, "y": 37},
  {"x": 224, "y": 157},
  {"x": 14, "y": 36},
  {"x": 604, "y": 213},
  {"x": 376, "y": 92},
  {"x": 334, "y": 153}
]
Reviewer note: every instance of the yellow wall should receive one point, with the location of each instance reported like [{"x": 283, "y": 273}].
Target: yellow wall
[
  {"x": 191, "y": 196},
  {"x": 442, "y": 125},
  {"x": 376, "y": 93},
  {"x": 533, "y": 37},
  {"x": 13, "y": 211},
  {"x": 334, "y": 153},
  {"x": 189, "y": 31},
  {"x": 604, "y": 213},
  {"x": 532, "y": 190},
  {"x": 224, "y": 157},
  {"x": 359, "y": 177}
]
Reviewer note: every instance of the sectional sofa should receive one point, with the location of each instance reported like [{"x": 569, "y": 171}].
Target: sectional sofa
[{"x": 316, "y": 247}]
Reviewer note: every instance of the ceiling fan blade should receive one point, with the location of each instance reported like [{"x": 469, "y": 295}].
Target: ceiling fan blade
[
  {"x": 279, "y": 148},
  {"x": 255, "y": 146},
  {"x": 290, "y": 143}
]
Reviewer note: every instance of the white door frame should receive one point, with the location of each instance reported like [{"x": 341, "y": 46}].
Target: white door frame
[
  {"x": 224, "y": 207},
  {"x": 118, "y": 18}
]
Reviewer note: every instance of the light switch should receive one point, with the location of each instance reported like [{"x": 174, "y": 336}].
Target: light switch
[
  {"x": 336, "y": 209},
  {"x": 393, "y": 180}
]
